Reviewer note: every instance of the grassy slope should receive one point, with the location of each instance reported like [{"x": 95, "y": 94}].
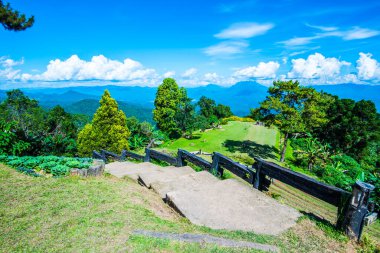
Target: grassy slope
[
  {"x": 234, "y": 139},
  {"x": 99, "y": 214}
]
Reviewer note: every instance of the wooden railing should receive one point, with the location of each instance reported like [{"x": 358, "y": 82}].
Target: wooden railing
[
  {"x": 325, "y": 192},
  {"x": 220, "y": 162},
  {"x": 132, "y": 155},
  {"x": 185, "y": 156},
  {"x": 151, "y": 153},
  {"x": 257, "y": 175}
]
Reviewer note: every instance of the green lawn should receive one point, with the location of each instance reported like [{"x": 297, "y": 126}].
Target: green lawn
[
  {"x": 99, "y": 214},
  {"x": 239, "y": 140}
]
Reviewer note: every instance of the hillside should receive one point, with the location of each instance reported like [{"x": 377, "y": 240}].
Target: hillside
[
  {"x": 89, "y": 107},
  {"x": 100, "y": 214}
]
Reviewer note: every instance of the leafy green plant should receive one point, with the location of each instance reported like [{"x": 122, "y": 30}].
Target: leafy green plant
[
  {"x": 60, "y": 170},
  {"x": 57, "y": 166}
]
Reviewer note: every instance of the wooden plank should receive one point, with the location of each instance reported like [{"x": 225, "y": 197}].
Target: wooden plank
[
  {"x": 198, "y": 161},
  {"x": 108, "y": 153},
  {"x": 133, "y": 155},
  {"x": 96, "y": 155},
  {"x": 162, "y": 157},
  {"x": 325, "y": 192},
  {"x": 238, "y": 169}
]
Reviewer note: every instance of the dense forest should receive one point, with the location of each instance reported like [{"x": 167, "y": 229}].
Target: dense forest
[{"x": 334, "y": 139}]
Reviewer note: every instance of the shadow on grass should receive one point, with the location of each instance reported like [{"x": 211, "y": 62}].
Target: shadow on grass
[
  {"x": 328, "y": 227},
  {"x": 251, "y": 148},
  {"x": 194, "y": 137},
  {"x": 318, "y": 219}
]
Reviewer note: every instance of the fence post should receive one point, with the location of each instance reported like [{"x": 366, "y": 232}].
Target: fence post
[
  {"x": 180, "y": 161},
  {"x": 354, "y": 209},
  {"x": 123, "y": 154},
  {"x": 147, "y": 155},
  {"x": 103, "y": 155},
  {"x": 215, "y": 167},
  {"x": 256, "y": 182}
]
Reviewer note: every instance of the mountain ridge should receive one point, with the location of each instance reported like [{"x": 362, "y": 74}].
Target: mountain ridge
[{"x": 240, "y": 97}]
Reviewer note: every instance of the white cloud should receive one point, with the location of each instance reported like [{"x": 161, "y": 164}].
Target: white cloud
[
  {"x": 227, "y": 48},
  {"x": 8, "y": 72},
  {"x": 368, "y": 68},
  {"x": 169, "y": 74},
  {"x": 358, "y": 33},
  {"x": 244, "y": 30},
  {"x": 316, "y": 66},
  {"x": 323, "y": 28},
  {"x": 304, "y": 51},
  {"x": 9, "y": 63},
  {"x": 211, "y": 78},
  {"x": 299, "y": 41},
  {"x": 355, "y": 33},
  {"x": 262, "y": 70},
  {"x": 190, "y": 72},
  {"x": 98, "y": 68}
]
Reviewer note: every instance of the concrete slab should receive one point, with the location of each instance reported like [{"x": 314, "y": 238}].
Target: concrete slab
[
  {"x": 163, "y": 174},
  {"x": 129, "y": 169},
  {"x": 195, "y": 180},
  {"x": 232, "y": 205},
  {"x": 203, "y": 238}
]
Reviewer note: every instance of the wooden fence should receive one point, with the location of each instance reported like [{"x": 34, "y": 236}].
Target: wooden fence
[
  {"x": 151, "y": 153},
  {"x": 257, "y": 175},
  {"x": 185, "y": 156}
]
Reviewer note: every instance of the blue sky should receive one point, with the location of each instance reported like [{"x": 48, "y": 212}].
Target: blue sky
[{"x": 197, "y": 42}]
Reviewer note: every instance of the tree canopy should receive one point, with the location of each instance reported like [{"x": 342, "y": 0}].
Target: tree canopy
[
  {"x": 27, "y": 129},
  {"x": 12, "y": 19},
  {"x": 168, "y": 98},
  {"x": 293, "y": 109}
]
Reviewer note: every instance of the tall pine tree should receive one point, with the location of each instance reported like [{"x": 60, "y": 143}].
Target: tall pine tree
[{"x": 108, "y": 129}]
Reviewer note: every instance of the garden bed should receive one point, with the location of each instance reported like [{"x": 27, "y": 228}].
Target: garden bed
[{"x": 54, "y": 166}]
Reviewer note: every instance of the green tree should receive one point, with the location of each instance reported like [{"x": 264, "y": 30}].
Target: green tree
[
  {"x": 207, "y": 106},
  {"x": 12, "y": 19},
  {"x": 212, "y": 112},
  {"x": 293, "y": 109},
  {"x": 352, "y": 127},
  {"x": 223, "y": 111},
  {"x": 185, "y": 116},
  {"x": 35, "y": 131},
  {"x": 108, "y": 129},
  {"x": 168, "y": 98}
]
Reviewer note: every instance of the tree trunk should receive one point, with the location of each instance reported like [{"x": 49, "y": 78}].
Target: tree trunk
[{"x": 284, "y": 148}]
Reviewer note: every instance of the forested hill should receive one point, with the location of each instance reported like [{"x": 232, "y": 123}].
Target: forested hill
[{"x": 89, "y": 106}]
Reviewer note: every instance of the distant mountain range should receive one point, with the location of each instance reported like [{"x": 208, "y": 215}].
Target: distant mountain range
[
  {"x": 138, "y": 101},
  {"x": 89, "y": 106}
]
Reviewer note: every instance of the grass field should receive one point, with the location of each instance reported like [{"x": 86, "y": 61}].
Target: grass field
[
  {"x": 239, "y": 140},
  {"x": 99, "y": 214}
]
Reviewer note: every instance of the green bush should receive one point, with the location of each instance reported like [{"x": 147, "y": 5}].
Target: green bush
[
  {"x": 236, "y": 118},
  {"x": 54, "y": 165}
]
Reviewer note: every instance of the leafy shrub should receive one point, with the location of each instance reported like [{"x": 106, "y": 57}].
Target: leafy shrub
[
  {"x": 57, "y": 166},
  {"x": 60, "y": 170},
  {"x": 236, "y": 118}
]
